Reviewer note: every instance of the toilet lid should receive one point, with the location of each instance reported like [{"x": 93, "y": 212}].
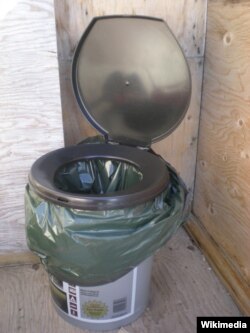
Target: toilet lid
[{"x": 131, "y": 79}]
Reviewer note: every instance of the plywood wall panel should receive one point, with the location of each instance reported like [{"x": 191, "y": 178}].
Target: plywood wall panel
[
  {"x": 30, "y": 108},
  {"x": 222, "y": 191}
]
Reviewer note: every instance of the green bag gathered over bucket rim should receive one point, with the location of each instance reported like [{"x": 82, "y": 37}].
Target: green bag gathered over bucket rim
[{"x": 86, "y": 247}]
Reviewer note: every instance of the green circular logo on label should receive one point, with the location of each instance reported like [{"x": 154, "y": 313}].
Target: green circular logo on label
[{"x": 95, "y": 309}]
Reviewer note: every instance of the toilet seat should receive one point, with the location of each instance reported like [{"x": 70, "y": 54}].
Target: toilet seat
[{"x": 154, "y": 181}]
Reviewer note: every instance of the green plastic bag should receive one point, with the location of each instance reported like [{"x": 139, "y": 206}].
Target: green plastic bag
[{"x": 96, "y": 247}]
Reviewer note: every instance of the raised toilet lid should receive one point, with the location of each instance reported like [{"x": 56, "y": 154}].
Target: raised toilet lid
[{"x": 131, "y": 79}]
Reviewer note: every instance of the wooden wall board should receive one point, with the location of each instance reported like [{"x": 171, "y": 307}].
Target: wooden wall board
[
  {"x": 186, "y": 18},
  {"x": 30, "y": 109},
  {"x": 183, "y": 287},
  {"x": 222, "y": 190}
]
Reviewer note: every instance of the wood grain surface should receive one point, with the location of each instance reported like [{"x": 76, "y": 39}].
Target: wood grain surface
[
  {"x": 186, "y": 19},
  {"x": 222, "y": 191},
  {"x": 183, "y": 287},
  {"x": 30, "y": 109}
]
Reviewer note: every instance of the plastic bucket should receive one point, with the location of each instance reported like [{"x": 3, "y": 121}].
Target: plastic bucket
[{"x": 104, "y": 307}]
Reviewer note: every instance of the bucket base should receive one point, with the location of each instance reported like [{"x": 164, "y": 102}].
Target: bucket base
[
  {"x": 104, "y": 307},
  {"x": 97, "y": 326}
]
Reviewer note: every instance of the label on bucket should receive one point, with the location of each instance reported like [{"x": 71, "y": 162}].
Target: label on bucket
[{"x": 104, "y": 303}]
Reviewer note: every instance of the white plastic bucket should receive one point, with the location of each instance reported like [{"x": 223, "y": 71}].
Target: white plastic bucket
[{"x": 108, "y": 306}]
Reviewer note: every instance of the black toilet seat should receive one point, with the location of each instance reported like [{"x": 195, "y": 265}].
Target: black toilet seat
[{"x": 153, "y": 168}]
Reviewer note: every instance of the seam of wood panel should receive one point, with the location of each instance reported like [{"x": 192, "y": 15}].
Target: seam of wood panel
[
  {"x": 194, "y": 57},
  {"x": 200, "y": 113},
  {"x": 18, "y": 258},
  {"x": 220, "y": 249},
  {"x": 219, "y": 261}
]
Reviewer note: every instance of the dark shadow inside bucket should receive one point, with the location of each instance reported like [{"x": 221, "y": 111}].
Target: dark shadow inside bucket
[{"x": 97, "y": 176}]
